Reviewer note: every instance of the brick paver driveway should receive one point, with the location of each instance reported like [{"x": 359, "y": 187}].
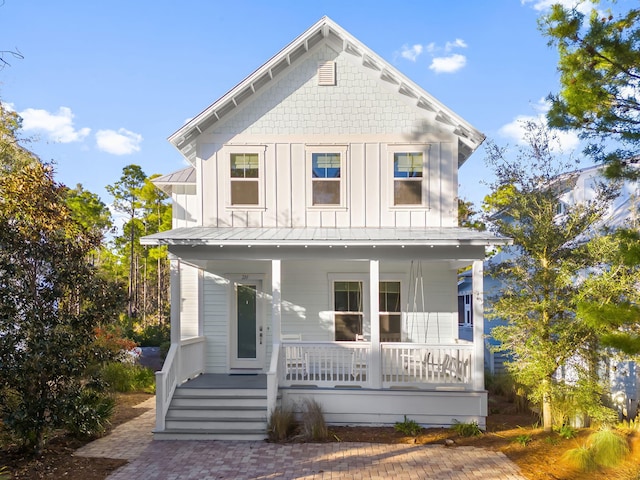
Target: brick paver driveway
[{"x": 207, "y": 460}]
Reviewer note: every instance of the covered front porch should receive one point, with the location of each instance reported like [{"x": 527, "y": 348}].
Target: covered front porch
[{"x": 398, "y": 361}]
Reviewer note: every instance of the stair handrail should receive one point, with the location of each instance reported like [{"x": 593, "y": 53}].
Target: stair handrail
[{"x": 166, "y": 383}]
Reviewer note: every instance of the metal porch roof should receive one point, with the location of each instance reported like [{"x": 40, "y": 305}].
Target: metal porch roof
[{"x": 323, "y": 236}]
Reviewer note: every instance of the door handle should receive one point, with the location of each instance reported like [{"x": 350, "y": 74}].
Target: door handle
[{"x": 260, "y": 330}]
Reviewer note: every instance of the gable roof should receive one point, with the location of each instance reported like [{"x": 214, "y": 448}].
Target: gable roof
[
  {"x": 324, "y": 30},
  {"x": 186, "y": 176}
]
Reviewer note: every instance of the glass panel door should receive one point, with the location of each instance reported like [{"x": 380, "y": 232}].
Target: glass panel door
[{"x": 247, "y": 321}]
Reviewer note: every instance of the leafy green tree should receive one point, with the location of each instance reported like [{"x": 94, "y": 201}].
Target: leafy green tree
[
  {"x": 126, "y": 199},
  {"x": 88, "y": 210},
  {"x": 608, "y": 302},
  {"x": 600, "y": 81},
  {"x": 538, "y": 275},
  {"x": 12, "y": 153},
  {"x": 51, "y": 301},
  {"x": 468, "y": 216}
]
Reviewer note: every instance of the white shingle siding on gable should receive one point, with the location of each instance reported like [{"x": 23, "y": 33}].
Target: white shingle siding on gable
[
  {"x": 363, "y": 112},
  {"x": 360, "y": 103}
]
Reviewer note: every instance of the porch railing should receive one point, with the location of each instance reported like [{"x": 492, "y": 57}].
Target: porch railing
[
  {"x": 184, "y": 361},
  {"x": 334, "y": 364}
]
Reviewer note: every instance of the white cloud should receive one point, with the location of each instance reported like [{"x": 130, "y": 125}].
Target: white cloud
[
  {"x": 542, "y": 5},
  {"x": 450, "y": 64},
  {"x": 58, "y": 126},
  {"x": 122, "y": 142},
  {"x": 411, "y": 53},
  {"x": 515, "y": 130},
  {"x": 458, "y": 43}
]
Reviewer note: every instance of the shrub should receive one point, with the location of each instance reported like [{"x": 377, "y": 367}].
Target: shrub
[
  {"x": 126, "y": 377},
  {"x": 313, "y": 424},
  {"x": 408, "y": 427},
  {"x": 4, "y": 473},
  {"x": 523, "y": 439},
  {"x": 609, "y": 447},
  {"x": 566, "y": 431},
  {"x": 604, "y": 448},
  {"x": 282, "y": 423},
  {"x": 581, "y": 458},
  {"x": 470, "y": 429},
  {"x": 87, "y": 414}
]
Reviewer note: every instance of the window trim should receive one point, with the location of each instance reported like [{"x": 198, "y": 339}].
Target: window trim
[
  {"x": 366, "y": 312},
  {"x": 245, "y": 149},
  {"x": 424, "y": 149},
  {"x": 342, "y": 150}
]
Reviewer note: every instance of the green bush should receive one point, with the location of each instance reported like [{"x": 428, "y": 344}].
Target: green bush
[
  {"x": 565, "y": 431},
  {"x": 87, "y": 414},
  {"x": 314, "y": 426},
  {"x": 408, "y": 427},
  {"x": 164, "y": 349},
  {"x": 127, "y": 377},
  {"x": 282, "y": 423},
  {"x": 604, "y": 448},
  {"x": 470, "y": 429},
  {"x": 609, "y": 447},
  {"x": 523, "y": 439}
]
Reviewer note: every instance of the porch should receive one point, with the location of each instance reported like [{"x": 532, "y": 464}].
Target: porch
[{"x": 355, "y": 383}]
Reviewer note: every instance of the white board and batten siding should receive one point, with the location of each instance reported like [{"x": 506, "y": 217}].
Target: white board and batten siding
[
  {"x": 363, "y": 117},
  {"x": 307, "y": 299}
]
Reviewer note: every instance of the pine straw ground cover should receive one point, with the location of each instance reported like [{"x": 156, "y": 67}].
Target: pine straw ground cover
[{"x": 540, "y": 459}]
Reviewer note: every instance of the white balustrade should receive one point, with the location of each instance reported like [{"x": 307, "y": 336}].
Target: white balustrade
[
  {"x": 331, "y": 364},
  {"x": 184, "y": 361}
]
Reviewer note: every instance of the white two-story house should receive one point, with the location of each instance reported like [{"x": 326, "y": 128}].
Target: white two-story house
[{"x": 315, "y": 249}]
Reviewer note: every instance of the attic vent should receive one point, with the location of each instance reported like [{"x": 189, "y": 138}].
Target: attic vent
[{"x": 327, "y": 73}]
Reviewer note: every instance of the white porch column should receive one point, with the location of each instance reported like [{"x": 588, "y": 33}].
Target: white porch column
[
  {"x": 375, "y": 365},
  {"x": 176, "y": 298},
  {"x": 478, "y": 324},
  {"x": 276, "y": 312}
]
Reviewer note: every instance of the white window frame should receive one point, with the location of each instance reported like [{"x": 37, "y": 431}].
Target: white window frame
[
  {"x": 426, "y": 174},
  {"x": 342, "y": 150},
  {"x": 366, "y": 313},
  {"x": 245, "y": 149}
]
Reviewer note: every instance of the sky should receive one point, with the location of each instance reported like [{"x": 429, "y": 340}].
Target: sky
[{"x": 103, "y": 83}]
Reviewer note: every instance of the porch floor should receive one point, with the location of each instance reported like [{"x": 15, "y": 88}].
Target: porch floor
[{"x": 224, "y": 380}]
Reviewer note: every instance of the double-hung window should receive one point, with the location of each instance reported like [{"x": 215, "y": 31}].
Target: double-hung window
[
  {"x": 348, "y": 309},
  {"x": 325, "y": 178},
  {"x": 408, "y": 174},
  {"x": 390, "y": 312},
  {"x": 245, "y": 178}
]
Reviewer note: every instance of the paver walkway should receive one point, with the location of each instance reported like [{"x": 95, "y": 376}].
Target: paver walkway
[{"x": 207, "y": 460}]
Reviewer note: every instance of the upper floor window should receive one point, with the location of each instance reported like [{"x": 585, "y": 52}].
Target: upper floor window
[
  {"x": 408, "y": 169},
  {"x": 245, "y": 178},
  {"x": 325, "y": 177}
]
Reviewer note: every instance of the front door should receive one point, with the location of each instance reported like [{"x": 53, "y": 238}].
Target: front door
[{"x": 248, "y": 337}]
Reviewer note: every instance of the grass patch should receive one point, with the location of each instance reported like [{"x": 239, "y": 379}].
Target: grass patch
[
  {"x": 126, "y": 377},
  {"x": 470, "y": 429},
  {"x": 314, "y": 426},
  {"x": 282, "y": 423},
  {"x": 408, "y": 427},
  {"x": 605, "y": 448}
]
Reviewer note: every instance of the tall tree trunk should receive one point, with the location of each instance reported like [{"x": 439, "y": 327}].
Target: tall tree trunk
[
  {"x": 131, "y": 269},
  {"x": 547, "y": 418}
]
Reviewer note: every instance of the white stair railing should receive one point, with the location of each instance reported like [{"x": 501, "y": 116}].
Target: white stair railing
[{"x": 184, "y": 360}]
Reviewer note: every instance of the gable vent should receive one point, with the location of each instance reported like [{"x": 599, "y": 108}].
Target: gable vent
[{"x": 327, "y": 73}]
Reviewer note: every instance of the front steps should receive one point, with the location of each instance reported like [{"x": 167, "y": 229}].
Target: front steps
[{"x": 216, "y": 414}]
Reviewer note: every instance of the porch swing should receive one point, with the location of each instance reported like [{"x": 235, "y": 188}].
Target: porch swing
[{"x": 415, "y": 311}]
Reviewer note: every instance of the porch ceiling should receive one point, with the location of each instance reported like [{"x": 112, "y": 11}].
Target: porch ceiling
[{"x": 335, "y": 237}]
